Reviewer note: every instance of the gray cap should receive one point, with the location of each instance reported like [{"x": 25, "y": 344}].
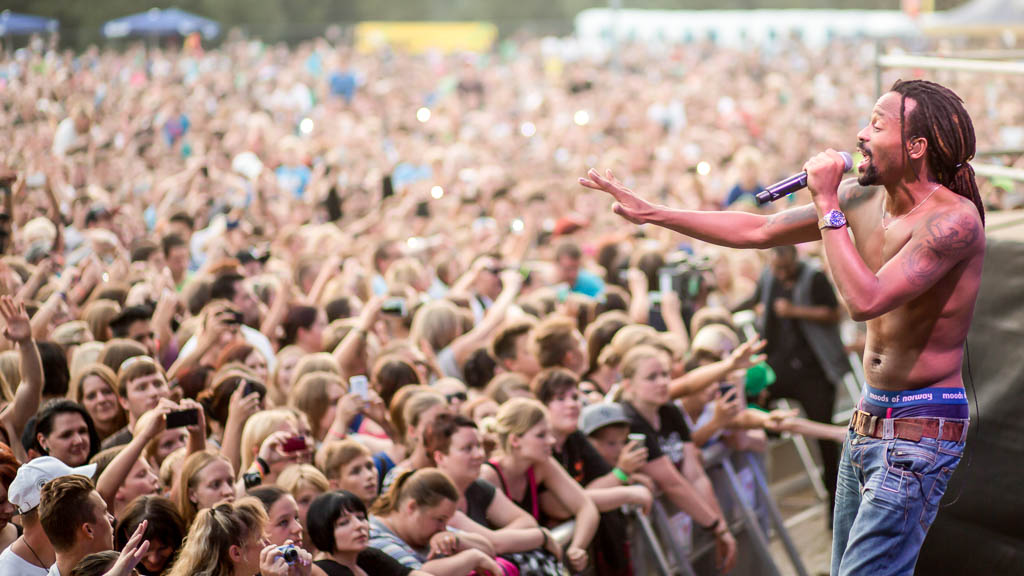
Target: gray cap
[{"x": 597, "y": 416}]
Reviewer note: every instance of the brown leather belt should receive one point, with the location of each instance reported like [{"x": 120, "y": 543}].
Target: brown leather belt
[{"x": 912, "y": 429}]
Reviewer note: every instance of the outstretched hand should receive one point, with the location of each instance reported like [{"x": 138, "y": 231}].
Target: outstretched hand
[
  {"x": 18, "y": 327},
  {"x": 134, "y": 551},
  {"x": 748, "y": 354},
  {"x": 627, "y": 203}
]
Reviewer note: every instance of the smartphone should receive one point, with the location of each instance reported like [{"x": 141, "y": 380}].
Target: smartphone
[
  {"x": 639, "y": 438},
  {"x": 182, "y": 418},
  {"x": 423, "y": 209},
  {"x": 233, "y": 317},
  {"x": 394, "y": 307},
  {"x": 359, "y": 384},
  {"x": 725, "y": 387},
  {"x": 249, "y": 388},
  {"x": 387, "y": 187},
  {"x": 294, "y": 444}
]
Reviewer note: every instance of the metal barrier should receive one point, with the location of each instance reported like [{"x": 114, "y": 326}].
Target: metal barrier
[{"x": 671, "y": 555}]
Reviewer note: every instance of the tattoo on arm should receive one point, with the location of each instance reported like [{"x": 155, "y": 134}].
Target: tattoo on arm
[{"x": 948, "y": 236}]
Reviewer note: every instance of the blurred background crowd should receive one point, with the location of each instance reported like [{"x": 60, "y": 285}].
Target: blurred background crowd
[{"x": 365, "y": 288}]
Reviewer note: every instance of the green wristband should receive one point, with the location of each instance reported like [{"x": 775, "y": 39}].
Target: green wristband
[{"x": 622, "y": 476}]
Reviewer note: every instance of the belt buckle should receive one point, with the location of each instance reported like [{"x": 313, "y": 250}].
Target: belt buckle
[{"x": 872, "y": 423}]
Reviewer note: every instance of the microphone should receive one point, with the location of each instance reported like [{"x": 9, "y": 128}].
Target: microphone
[{"x": 794, "y": 183}]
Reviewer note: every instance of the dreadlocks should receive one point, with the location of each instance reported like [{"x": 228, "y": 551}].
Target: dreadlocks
[{"x": 940, "y": 118}]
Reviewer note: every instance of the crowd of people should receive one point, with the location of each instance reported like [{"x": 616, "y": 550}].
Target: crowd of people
[{"x": 274, "y": 310}]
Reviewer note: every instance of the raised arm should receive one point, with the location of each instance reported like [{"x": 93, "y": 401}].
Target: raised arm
[
  {"x": 148, "y": 427},
  {"x": 731, "y": 229},
  {"x": 465, "y": 344},
  {"x": 29, "y": 392}
]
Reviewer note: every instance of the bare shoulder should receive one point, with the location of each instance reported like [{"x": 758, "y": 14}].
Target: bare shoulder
[
  {"x": 852, "y": 195},
  {"x": 952, "y": 228},
  {"x": 951, "y": 233}
]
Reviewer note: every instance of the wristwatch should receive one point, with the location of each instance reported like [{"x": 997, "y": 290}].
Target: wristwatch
[{"x": 832, "y": 219}]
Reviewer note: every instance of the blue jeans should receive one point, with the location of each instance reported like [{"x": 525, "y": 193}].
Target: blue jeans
[{"x": 887, "y": 497}]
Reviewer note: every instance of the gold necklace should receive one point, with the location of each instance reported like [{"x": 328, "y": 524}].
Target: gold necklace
[{"x": 886, "y": 212}]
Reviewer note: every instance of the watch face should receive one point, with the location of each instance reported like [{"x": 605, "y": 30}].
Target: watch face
[{"x": 835, "y": 218}]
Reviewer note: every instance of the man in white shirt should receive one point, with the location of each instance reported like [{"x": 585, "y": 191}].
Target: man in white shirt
[{"x": 31, "y": 554}]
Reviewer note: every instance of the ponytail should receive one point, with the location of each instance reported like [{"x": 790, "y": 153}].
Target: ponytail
[
  {"x": 964, "y": 184},
  {"x": 428, "y": 487}
]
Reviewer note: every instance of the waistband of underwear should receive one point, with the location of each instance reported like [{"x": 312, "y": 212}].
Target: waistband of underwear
[
  {"x": 948, "y": 411},
  {"x": 901, "y": 398},
  {"x": 923, "y": 403}
]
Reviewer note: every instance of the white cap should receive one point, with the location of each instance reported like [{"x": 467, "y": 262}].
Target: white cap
[{"x": 24, "y": 490}]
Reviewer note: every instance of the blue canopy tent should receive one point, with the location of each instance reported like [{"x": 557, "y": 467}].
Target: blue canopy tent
[
  {"x": 157, "y": 22},
  {"x": 14, "y": 24}
]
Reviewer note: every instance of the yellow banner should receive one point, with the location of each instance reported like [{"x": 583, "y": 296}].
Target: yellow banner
[{"x": 418, "y": 37}]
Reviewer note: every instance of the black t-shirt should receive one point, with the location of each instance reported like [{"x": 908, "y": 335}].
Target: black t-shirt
[
  {"x": 371, "y": 560},
  {"x": 789, "y": 354},
  {"x": 668, "y": 439},
  {"x": 479, "y": 496},
  {"x": 583, "y": 462}
]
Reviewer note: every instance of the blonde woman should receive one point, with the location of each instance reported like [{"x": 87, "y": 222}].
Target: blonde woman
[
  {"x": 227, "y": 540},
  {"x": 524, "y": 464},
  {"x": 304, "y": 482},
  {"x": 281, "y": 377},
  {"x": 206, "y": 479},
  {"x": 673, "y": 462},
  {"x": 274, "y": 439}
]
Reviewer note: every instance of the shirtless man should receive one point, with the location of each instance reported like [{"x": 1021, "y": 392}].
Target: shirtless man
[{"x": 912, "y": 271}]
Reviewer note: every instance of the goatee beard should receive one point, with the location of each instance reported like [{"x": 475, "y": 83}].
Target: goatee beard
[{"x": 869, "y": 177}]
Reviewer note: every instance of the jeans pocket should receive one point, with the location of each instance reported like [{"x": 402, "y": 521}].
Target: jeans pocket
[
  {"x": 940, "y": 481},
  {"x": 906, "y": 456},
  {"x": 887, "y": 489}
]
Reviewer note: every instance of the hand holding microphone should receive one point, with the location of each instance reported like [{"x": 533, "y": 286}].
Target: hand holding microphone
[{"x": 798, "y": 181}]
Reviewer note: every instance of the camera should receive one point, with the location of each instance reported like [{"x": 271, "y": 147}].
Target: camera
[
  {"x": 290, "y": 553},
  {"x": 684, "y": 275}
]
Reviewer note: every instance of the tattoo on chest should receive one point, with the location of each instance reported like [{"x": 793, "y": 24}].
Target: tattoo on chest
[{"x": 947, "y": 237}]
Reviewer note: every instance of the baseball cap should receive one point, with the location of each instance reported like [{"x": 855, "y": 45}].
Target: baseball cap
[
  {"x": 24, "y": 490},
  {"x": 597, "y": 416}
]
